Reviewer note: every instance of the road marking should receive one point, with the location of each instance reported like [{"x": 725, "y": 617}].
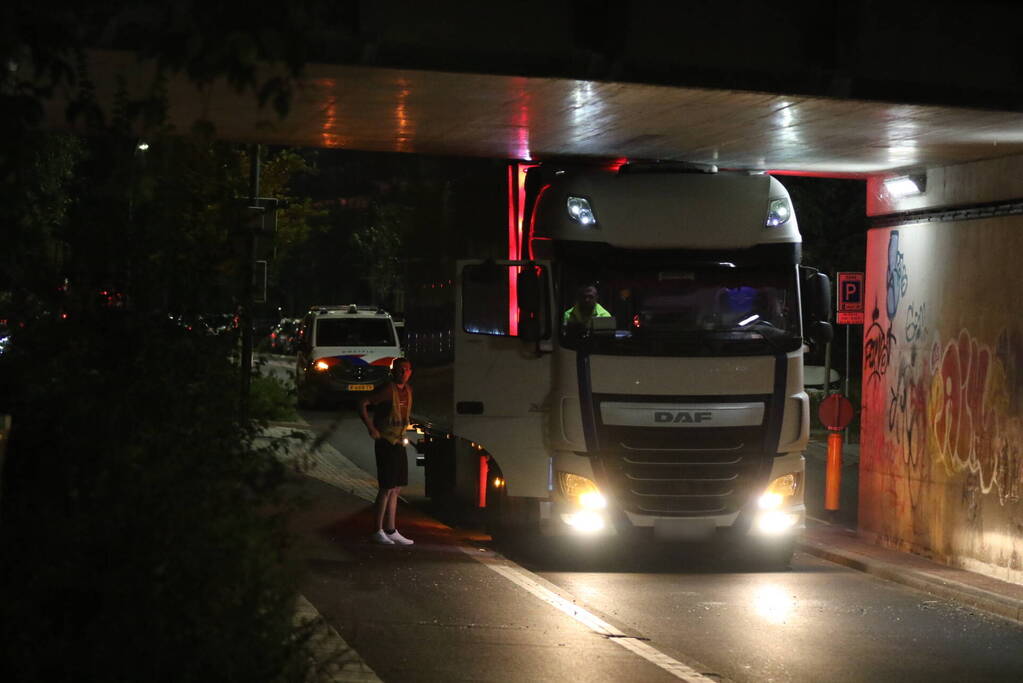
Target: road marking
[
  {"x": 524, "y": 579},
  {"x": 346, "y": 475}
]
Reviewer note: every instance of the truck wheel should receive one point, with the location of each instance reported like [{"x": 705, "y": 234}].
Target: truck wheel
[{"x": 511, "y": 520}]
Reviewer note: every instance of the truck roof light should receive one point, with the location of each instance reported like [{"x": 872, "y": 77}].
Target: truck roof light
[
  {"x": 778, "y": 212},
  {"x": 580, "y": 211}
]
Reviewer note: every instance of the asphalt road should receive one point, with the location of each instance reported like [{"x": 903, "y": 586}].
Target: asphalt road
[{"x": 454, "y": 607}]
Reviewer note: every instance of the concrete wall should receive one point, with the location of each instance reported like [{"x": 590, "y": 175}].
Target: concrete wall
[{"x": 941, "y": 468}]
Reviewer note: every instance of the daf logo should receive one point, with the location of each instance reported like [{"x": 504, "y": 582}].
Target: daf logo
[{"x": 682, "y": 416}]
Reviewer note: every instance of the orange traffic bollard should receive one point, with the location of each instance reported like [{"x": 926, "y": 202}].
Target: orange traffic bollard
[{"x": 833, "y": 474}]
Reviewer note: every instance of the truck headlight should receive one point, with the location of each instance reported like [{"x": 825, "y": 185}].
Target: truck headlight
[
  {"x": 773, "y": 519},
  {"x": 580, "y": 211},
  {"x": 581, "y": 491},
  {"x": 778, "y": 212},
  {"x": 779, "y": 492}
]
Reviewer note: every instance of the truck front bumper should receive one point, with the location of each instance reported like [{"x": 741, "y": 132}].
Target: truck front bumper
[{"x": 559, "y": 519}]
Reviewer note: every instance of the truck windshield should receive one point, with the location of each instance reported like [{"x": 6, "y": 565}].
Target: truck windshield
[{"x": 716, "y": 309}]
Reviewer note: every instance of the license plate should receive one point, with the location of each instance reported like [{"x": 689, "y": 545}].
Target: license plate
[{"x": 360, "y": 387}]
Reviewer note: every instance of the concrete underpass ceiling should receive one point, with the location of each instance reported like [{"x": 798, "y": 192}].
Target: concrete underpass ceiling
[{"x": 439, "y": 113}]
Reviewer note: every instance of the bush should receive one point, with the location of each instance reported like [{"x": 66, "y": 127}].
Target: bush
[
  {"x": 136, "y": 538},
  {"x": 270, "y": 399}
]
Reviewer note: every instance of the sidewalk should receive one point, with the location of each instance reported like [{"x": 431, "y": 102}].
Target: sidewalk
[{"x": 834, "y": 538}]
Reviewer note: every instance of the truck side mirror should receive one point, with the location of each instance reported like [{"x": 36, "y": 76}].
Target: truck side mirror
[
  {"x": 820, "y": 332},
  {"x": 816, "y": 287}
]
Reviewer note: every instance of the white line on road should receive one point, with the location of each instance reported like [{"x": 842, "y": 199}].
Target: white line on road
[
  {"x": 524, "y": 579},
  {"x": 337, "y": 470}
]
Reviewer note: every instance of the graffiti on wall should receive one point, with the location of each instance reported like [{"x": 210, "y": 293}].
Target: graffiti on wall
[
  {"x": 954, "y": 403},
  {"x": 906, "y": 408},
  {"x": 879, "y": 339},
  {"x": 970, "y": 410}
]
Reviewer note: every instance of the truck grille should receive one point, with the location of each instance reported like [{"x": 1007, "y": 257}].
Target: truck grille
[{"x": 682, "y": 471}]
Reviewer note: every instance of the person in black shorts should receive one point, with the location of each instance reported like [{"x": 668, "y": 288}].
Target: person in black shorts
[{"x": 392, "y": 407}]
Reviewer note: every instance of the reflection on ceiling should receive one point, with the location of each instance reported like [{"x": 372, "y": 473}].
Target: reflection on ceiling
[{"x": 429, "y": 112}]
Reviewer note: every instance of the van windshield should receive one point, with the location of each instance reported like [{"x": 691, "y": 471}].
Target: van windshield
[{"x": 354, "y": 332}]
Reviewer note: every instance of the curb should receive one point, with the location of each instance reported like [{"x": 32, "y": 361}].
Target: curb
[{"x": 995, "y": 603}]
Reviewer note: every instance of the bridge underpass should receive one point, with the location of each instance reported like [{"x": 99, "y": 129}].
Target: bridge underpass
[{"x": 941, "y": 465}]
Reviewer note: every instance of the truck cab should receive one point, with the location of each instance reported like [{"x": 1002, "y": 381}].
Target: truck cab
[{"x": 640, "y": 371}]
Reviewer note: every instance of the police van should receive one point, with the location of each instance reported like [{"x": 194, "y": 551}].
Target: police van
[{"x": 343, "y": 352}]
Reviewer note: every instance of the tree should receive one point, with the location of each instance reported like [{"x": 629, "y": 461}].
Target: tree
[
  {"x": 379, "y": 250},
  {"x": 142, "y": 527}
]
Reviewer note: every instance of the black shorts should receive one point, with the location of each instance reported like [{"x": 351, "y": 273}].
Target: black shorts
[{"x": 392, "y": 464}]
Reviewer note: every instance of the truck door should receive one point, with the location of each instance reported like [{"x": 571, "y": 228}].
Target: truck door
[{"x": 503, "y": 366}]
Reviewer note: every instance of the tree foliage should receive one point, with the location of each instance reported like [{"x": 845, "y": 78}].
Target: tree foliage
[
  {"x": 137, "y": 541},
  {"x": 37, "y": 179},
  {"x": 832, "y": 221},
  {"x": 44, "y": 47},
  {"x": 379, "y": 252},
  {"x": 141, "y": 525}
]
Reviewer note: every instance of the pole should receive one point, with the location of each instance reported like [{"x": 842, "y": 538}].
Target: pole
[
  {"x": 833, "y": 473},
  {"x": 5, "y": 436},
  {"x": 827, "y": 369},
  {"x": 248, "y": 265},
  {"x": 848, "y": 352},
  {"x": 846, "y": 394}
]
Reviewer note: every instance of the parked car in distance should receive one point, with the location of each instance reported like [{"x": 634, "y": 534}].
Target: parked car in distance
[
  {"x": 191, "y": 323},
  {"x": 284, "y": 336},
  {"x": 220, "y": 323}
]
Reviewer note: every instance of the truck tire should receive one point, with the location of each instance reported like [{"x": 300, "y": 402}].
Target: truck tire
[{"x": 511, "y": 520}]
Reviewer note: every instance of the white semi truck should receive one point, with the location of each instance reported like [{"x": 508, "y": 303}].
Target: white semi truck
[{"x": 677, "y": 409}]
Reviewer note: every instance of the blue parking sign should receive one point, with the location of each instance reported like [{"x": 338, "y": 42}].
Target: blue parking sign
[{"x": 850, "y": 298}]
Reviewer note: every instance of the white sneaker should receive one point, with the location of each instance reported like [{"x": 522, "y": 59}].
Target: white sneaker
[
  {"x": 397, "y": 538},
  {"x": 381, "y": 538}
]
